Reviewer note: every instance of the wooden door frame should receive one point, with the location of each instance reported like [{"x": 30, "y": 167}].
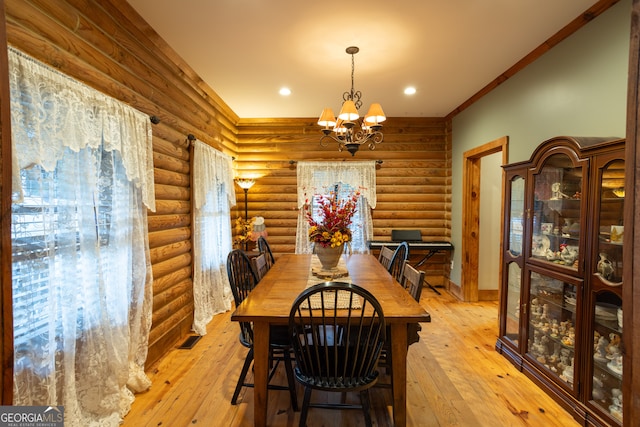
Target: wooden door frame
[{"x": 471, "y": 213}]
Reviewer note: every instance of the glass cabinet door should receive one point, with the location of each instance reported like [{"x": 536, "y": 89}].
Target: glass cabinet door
[
  {"x": 605, "y": 390},
  {"x": 556, "y": 218},
  {"x": 513, "y": 257},
  {"x": 611, "y": 227},
  {"x": 552, "y": 326},
  {"x": 514, "y": 280},
  {"x": 606, "y": 383},
  {"x": 516, "y": 216}
]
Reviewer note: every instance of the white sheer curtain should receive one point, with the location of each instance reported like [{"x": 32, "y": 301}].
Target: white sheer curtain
[
  {"x": 213, "y": 195},
  {"x": 319, "y": 178},
  {"x": 82, "y": 283}
]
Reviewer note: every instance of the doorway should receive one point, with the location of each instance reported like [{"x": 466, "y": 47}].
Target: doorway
[{"x": 471, "y": 209}]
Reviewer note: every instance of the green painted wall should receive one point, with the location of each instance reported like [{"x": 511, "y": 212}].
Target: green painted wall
[{"x": 578, "y": 88}]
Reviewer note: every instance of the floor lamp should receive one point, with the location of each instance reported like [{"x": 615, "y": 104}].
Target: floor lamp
[{"x": 246, "y": 184}]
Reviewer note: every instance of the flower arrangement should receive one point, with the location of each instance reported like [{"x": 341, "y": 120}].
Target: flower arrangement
[
  {"x": 332, "y": 229},
  {"x": 243, "y": 229}
]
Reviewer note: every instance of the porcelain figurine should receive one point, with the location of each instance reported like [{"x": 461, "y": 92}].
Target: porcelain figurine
[
  {"x": 616, "y": 404},
  {"x": 605, "y": 267},
  {"x": 613, "y": 349},
  {"x": 600, "y": 353},
  {"x": 616, "y": 364},
  {"x": 569, "y": 255}
]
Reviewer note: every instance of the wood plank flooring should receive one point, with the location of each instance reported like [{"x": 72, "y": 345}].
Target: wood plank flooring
[{"x": 454, "y": 378}]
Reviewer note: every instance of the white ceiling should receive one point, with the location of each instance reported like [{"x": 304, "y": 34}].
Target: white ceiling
[{"x": 246, "y": 50}]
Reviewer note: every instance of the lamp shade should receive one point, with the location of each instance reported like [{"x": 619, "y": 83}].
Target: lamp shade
[
  {"x": 327, "y": 119},
  {"x": 349, "y": 112},
  {"x": 375, "y": 114},
  {"x": 339, "y": 127},
  {"x": 245, "y": 183}
]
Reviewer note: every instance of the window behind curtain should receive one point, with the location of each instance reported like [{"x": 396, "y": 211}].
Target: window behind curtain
[
  {"x": 343, "y": 191},
  {"x": 59, "y": 224},
  {"x": 82, "y": 181}
]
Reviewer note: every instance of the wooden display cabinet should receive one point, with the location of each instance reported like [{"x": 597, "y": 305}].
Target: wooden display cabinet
[{"x": 561, "y": 296}]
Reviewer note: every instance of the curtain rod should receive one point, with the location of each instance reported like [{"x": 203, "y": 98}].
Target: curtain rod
[{"x": 293, "y": 162}]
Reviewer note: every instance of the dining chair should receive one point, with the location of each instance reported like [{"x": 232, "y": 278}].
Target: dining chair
[
  {"x": 337, "y": 331},
  {"x": 260, "y": 265},
  {"x": 243, "y": 280},
  {"x": 263, "y": 246},
  {"x": 412, "y": 280},
  {"x": 386, "y": 254},
  {"x": 400, "y": 255}
]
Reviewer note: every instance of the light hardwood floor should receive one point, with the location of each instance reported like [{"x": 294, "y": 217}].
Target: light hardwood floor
[{"x": 454, "y": 375}]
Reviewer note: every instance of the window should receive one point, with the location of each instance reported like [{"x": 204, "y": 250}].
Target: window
[
  {"x": 357, "y": 227},
  {"x": 213, "y": 196},
  {"x": 322, "y": 178},
  {"x": 81, "y": 273}
]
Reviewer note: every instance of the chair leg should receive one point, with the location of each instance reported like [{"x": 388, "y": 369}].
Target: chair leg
[
  {"x": 290, "y": 380},
  {"x": 366, "y": 406},
  {"x": 243, "y": 375},
  {"x": 305, "y": 407}
]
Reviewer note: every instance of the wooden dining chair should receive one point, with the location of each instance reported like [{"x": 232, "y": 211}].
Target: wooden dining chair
[
  {"x": 243, "y": 280},
  {"x": 386, "y": 254},
  {"x": 263, "y": 246},
  {"x": 260, "y": 266},
  {"x": 412, "y": 280},
  {"x": 336, "y": 353},
  {"x": 400, "y": 255}
]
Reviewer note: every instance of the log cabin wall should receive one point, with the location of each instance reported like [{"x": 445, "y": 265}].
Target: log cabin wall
[
  {"x": 413, "y": 181},
  {"x": 106, "y": 45}
]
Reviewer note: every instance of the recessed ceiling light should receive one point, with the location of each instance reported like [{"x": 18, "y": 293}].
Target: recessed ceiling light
[
  {"x": 410, "y": 90},
  {"x": 285, "y": 91}
]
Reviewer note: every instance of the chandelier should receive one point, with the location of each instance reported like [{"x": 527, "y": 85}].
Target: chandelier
[{"x": 348, "y": 131}]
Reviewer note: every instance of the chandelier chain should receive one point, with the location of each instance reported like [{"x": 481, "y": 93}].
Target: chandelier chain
[{"x": 354, "y": 95}]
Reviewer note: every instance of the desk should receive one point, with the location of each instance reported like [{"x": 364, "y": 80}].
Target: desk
[
  {"x": 270, "y": 302},
  {"x": 432, "y": 248}
]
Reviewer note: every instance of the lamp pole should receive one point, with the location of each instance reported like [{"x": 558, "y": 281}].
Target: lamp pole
[
  {"x": 246, "y": 184},
  {"x": 246, "y": 215}
]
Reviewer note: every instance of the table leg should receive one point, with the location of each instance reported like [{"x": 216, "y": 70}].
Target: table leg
[
  {"x": 399, "y": 369},
  {"x": 260, "y": 372}
]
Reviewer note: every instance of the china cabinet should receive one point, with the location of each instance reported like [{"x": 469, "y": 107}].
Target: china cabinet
[{"x": 561, "y": 293}]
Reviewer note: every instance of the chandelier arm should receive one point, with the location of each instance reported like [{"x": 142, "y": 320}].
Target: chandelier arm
[
  {"x": 375, "y": 138},
  {"x": 324, "y": 141}
]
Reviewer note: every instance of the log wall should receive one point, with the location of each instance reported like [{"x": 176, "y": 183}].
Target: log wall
[
  {"x": 105, "y": 44},
  {"x": 413, "y": 181}
]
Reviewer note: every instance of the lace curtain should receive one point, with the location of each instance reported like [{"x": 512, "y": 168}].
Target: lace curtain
[
  {"x": 214, "y": 194},
  {"x": 315, "y": 177},
  {"x": 81, "y": 272},
  {"x": 53, "y": 112}
]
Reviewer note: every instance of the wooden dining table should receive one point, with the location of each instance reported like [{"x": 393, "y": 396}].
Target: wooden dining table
[{"x": 271, "y": 300}]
